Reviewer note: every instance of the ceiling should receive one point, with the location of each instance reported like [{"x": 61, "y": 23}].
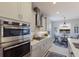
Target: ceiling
[{"x": 70, "y": 10}]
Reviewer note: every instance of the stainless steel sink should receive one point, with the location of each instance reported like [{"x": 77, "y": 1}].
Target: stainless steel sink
[
  {"x": 39, "y": 38},
  {"x": 76, "y": 45}
]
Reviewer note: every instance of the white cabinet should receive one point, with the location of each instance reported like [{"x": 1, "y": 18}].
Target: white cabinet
[
  {"x": 1, "y": 52},
  {"x": 41, "y": 48},
  {"x": 26, "y": 11},
  {"x": 71, "y": 54},
  {"x": 35, "y": 52},
  {"x": 8, "y": 9},
  {"x": 12, "y": 9}
]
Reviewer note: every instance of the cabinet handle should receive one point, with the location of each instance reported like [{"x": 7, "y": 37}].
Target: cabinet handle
[
  {"x": 71, "y": 52},
  {"x": 15, "y": 46}
]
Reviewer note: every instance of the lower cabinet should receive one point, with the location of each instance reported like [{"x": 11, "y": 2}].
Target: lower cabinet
[
  {"x": 35, "y": 52},
  {"x": 40, "y": 49},
  {"x": 71, "y": 54},
  {"x": 1, "y": 52}
]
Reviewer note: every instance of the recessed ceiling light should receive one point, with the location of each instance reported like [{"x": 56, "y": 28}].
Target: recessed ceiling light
[
  {"x": 57, "y": 12},
  {"x": 54, "y": 2}
]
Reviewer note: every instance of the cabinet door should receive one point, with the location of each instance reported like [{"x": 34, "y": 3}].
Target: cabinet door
[
  {"x": 26, "y": 11},
  {"x": 28, "y": 15},
  {"x": 50, "y": 42},
  {"x": 47, "y": 43},
  {"x": 36, "y": 51},
  {"x": 11, "y": 10},
  {"x": 42, "y": 48},
  {"x": 70, "y": 51},
  {"x": 1, "y": 52},
  {"x": 16, "y": 10}
]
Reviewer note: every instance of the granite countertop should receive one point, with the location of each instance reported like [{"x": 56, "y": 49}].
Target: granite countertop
[
  {"x": 34, "y": 41},
  {"x": 74, "y": 49}
]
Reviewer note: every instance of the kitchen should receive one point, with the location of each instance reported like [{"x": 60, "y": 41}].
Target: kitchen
[
  {"x": 20, "y": 33},
  {"x": 39, "y": 29}
]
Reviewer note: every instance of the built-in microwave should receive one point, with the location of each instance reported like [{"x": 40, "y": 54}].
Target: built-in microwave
[{"x": 10, "y": 30}]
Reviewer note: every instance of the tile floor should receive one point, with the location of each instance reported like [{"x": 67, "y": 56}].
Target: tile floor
[
  {"x": 54, "y": 54},
  {"x": 59, "y": 50}
]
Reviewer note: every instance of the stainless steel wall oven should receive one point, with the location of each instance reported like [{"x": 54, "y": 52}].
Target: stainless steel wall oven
[
  {"x": 17, "y": 50},
  {"x": 15, "y": 37}
]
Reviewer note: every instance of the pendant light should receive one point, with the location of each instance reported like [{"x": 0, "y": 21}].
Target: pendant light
[
  {"x": 64, "y": 20},
  {"x": 64, "y": 25}
]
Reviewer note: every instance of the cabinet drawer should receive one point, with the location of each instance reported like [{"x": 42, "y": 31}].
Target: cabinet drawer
[
  {"x": 1, "y": 53},
  {"x": 36, "y": 52},
  {"x": 1, "y": 49},
  {"x": 36, "y": 46}
]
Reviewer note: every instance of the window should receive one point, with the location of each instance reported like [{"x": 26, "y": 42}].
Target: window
[
  {"x": 55, "y": 29},
  {"x": 76, "y": 29}
]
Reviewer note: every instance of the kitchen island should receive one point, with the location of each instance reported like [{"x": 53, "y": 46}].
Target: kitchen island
[{"x": 73, "y": 47}]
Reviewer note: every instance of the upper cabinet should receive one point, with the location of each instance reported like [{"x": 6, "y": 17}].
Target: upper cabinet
[
  {"x": 26, "y": 11},
  {"x": 16, "y": 10},
  {"x": 8, "y": 10}
]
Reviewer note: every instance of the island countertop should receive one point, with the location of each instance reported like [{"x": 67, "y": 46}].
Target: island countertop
[{"x": 74, "y": 49}]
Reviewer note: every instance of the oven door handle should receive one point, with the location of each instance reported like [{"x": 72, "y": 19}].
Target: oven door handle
[{"x": 7, "y": 48}]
